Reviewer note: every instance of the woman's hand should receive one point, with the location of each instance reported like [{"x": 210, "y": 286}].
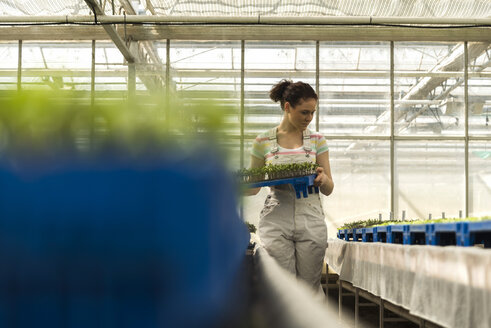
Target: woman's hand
[
  {"x": 324, "y": 178},
  {"x": 321, "y": 177}
]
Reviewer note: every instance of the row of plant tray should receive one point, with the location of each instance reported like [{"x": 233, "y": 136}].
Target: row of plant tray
[
  {"x": 459, "y": 233},
  {"x": 302, "y": 185}
]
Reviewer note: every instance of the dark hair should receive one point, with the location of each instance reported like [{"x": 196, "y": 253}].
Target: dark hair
[{"x": 293, "y": 92}]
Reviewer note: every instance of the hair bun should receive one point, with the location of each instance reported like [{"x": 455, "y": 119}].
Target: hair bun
[
  {"x": 277, "y": 91},
  {"x": 291, "y": 92}
]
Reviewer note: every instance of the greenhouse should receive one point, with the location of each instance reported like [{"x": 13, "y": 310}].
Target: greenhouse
[{"x": 115, "y": 99}]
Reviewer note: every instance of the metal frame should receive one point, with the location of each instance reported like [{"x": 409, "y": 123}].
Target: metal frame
[
  {"x": 125, "y": 46},
  {"x": 242, "y": 107},
  {"x": 466, "y": 126},
  {"x": 92, "y": 75},
  {"x": 470, "y": 52},
  {"x": 19, "y": 66},
  {"x": 110, "y": 30},
  {"x": 403, "y": 314},
  {"x": 392, "y": 134},
  {"x": 251, "y": 32},
  {"x": 253, "y": 19},
  {"x": 317, "y": 81}
]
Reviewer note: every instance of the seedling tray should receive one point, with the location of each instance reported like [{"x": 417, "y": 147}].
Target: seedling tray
[
  {"x": 460, "y": 233},
  {"x": 303, "y": 185}
]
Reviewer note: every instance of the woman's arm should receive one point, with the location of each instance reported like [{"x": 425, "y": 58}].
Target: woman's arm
[
  {"x": 324, "y": 179},
  {"x": 255, "y": 163}
]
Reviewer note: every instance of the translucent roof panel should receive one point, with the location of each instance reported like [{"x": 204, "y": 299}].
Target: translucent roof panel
[
  {"x": 379, "y": 8},
  {"x": 403, "y": 8},
  {"x": 44, "y": 7}
]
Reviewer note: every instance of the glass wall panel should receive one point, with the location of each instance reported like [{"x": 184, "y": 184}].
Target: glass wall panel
[
  {"x": 480, "y": 93},
  {"x": 210, "y": 71},
  {"x": 266, "y": 63},
  {"x": 354, "y": 100},
  {"x": 480, "y": 178},
  {"x": 361, "y": 174},
  {"x": 8, "y": 65},
  {"x": 429, "y": 88},
  {"x": 56, "y": 66},
  {"x": 111, "y": 71},
  {"x": 354, "y": 88},
  {"x": 430, "y": 178}
]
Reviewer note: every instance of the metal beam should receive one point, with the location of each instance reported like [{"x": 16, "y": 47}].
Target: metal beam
[
  {"x": 393, "y": 191},
  {"x": 92, "y": 76},
  {"x": 150, "y": 50},
  {"x": 131, "y": 81},
  {"x": 192, "y": 73},
  {"x": 453, "y": 62},
  {"x": 317, "y": 83},
  {"x": 252, "y": 19},
  {"x": 466, "y": 128},
  {"x": 242, "y": 108},
  {"x": 248, "y": 32},
  {"x": 19, "y": 66},
  {"x": 111, "y": 31},
  {"x": 149, "y": 46},
  {"x": 150, "y": 7}
]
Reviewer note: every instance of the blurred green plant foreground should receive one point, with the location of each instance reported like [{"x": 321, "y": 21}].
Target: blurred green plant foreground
[{"x": 44, "y": 124}]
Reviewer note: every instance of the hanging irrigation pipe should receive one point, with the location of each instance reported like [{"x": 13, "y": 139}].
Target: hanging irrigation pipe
[{"x": 255, "y": 20}]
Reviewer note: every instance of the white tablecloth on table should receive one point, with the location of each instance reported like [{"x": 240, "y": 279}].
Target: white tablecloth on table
[{"x": 448, "y": 285}]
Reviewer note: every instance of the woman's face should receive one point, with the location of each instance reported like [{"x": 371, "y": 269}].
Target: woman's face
[{"x": 302, "y": 114}]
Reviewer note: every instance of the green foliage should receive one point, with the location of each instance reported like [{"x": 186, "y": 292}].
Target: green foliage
[
  {"x": 43, "y": 124},
  {"x": 362, "y": 224},
  {"x": 377, "y": 222},
  {"x": 273, "y": 172}
]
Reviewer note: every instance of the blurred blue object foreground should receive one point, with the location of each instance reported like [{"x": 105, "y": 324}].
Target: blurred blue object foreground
[{"x": 118, "y": 243}]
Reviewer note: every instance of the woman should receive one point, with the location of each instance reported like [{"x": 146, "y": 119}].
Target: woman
[{"x": 292, "y": 230}]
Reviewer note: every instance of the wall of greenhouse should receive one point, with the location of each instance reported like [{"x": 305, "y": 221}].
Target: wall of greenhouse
[{"x": 407, "y": 123}]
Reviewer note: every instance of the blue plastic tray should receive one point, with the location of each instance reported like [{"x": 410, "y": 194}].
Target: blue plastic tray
[
  {"x": 303, "y": 185},
  {"x": 459, "y": 233}
]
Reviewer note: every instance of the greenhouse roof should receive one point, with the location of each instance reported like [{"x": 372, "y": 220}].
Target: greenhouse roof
[{"x": 375, "y": 8}]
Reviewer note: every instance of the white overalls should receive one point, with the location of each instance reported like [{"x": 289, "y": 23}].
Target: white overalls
[{"x": 293, "y": 231}]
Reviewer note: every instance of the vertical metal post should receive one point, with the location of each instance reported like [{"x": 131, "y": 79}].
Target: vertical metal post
[
  {"x": 392, "y": 143},
  {"x": 167, "y": 67},
  {"x": 466, "y": 127},
  {"x": 92, "y": 76},
  {"x": 242, "y": 109},
  {"x": 381, "y": 313},
  {"x": 167, "y": 84},
  {"x": 340, "y": 298},
  {"x": 131, "y": 81},
  {"x": 357, "y": 307},
  {"x": 317, "y": 81},
  {"x": 19, "y": 67},
  {"x": 327, "y": 281}
]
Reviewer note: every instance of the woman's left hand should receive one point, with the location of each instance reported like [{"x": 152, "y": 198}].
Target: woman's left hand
[{"x": 321, "y": 177}]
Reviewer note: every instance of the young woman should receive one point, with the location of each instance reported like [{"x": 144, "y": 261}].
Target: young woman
[{"x": 293, "y": 231}]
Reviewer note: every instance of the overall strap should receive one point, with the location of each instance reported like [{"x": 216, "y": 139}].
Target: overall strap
[
  {"x": 307, "y": 143},
  {"x": 274, "y": 141}
]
